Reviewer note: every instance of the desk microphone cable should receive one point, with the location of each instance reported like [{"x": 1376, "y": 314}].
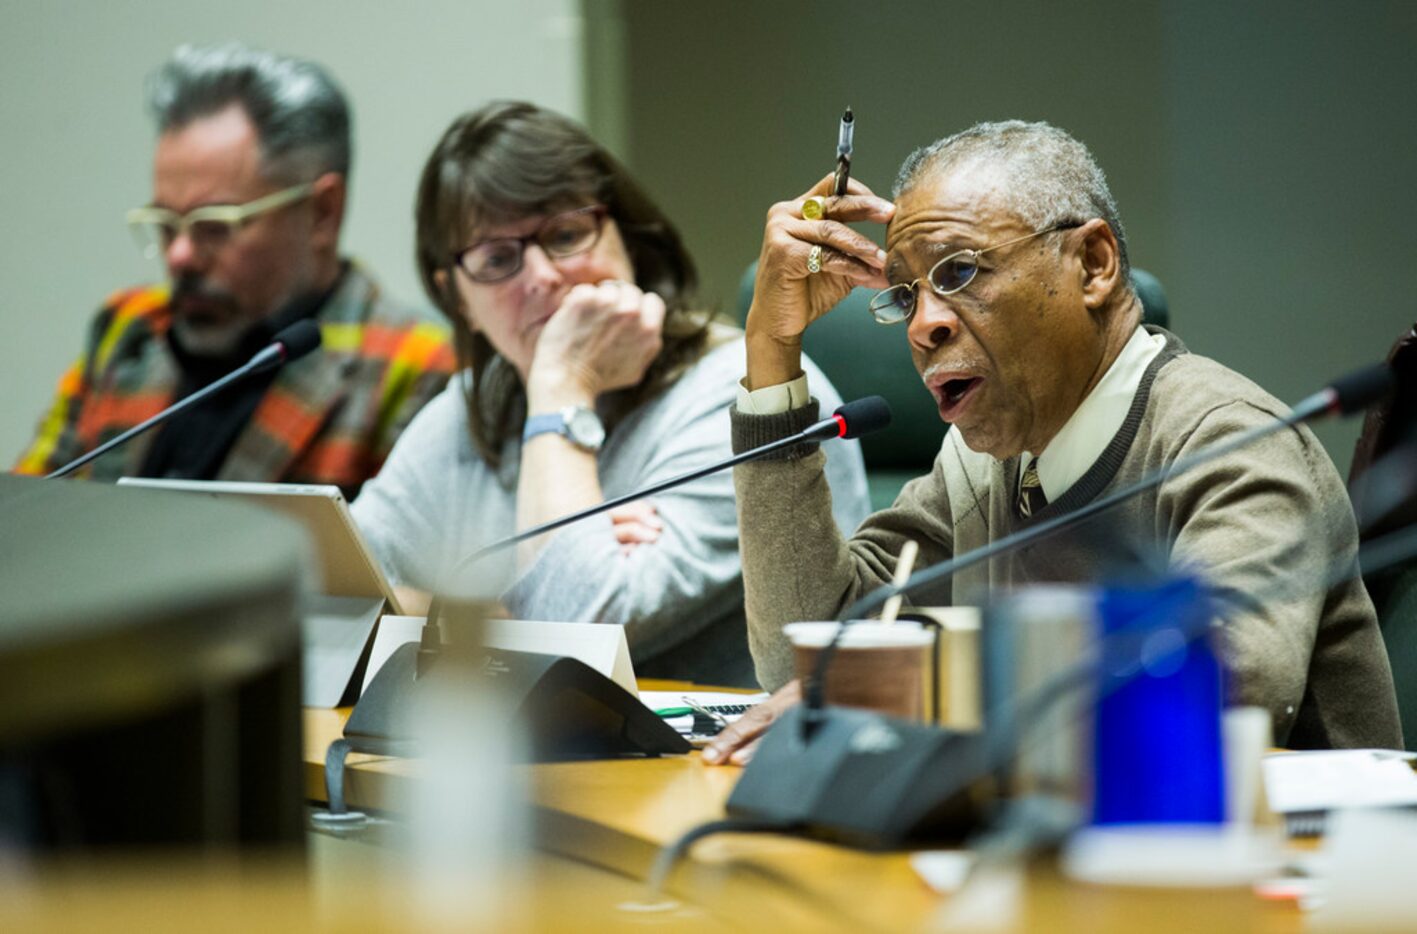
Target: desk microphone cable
[{"x": 670, "y": 855}]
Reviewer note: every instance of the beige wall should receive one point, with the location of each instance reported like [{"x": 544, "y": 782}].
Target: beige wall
[
  {"x": 75, "y": 142},
  {"x": 1262, "y": 153}
]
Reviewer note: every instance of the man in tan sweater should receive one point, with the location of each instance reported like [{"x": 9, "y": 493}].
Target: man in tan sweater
[{"x": 1007, "y": 263}]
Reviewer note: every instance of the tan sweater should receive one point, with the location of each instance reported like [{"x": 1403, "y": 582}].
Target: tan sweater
[{"x": 1262, "y": 525}]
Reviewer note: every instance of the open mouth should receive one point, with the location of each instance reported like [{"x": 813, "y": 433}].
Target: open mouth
[
  {"x": 954, "y": 394},
  {"x": 954, "y": 390}
]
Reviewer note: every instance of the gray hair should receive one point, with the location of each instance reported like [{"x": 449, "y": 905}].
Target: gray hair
[
  {"x": 1048, "y": 176},
  {"x": 299, "y": 113}
]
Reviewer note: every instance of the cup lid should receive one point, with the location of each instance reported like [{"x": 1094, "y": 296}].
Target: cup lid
[{"x": 864, "y": 634}]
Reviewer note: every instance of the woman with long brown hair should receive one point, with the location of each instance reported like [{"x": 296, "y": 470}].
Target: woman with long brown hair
[{"x": 586, "y": 372}]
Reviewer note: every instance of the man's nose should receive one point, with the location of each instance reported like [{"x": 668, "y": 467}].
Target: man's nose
[
  {"x": 182, "y": 255},
  {"x": 934, "y": 321}
]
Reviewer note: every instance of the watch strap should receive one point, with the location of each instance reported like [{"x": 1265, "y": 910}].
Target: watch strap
[
  {"x": 577, "y": 424},
  {"x": 549, "y": 423}
]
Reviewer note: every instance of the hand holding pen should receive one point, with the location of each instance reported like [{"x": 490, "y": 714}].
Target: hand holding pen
[
  {"x": 810, "y": 260},
  {"x": 814, "y": 208}
]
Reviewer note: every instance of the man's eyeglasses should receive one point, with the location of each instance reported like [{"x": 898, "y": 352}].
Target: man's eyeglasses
[
  {"x": 558, "y": 236},
  {"x": 209, "y": 227},
  {"x": 949, "y": 275}
]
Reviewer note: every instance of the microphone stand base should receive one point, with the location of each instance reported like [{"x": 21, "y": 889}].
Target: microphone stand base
[{"x": 866, "y": 780}]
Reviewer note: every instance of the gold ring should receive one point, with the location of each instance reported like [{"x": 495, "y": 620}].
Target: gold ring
[
  {"x": 814, "y": 258},
  {"x": 814, "y": 207}
]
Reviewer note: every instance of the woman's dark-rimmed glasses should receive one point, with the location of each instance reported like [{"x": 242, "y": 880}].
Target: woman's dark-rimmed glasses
[{"x": 560, "y": 235}]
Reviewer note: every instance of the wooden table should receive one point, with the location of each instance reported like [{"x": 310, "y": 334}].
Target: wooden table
[{"x": 615, "y": 816}]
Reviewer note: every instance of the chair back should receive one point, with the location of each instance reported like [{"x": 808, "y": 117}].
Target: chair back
[{"x": 1390, "y": 431}]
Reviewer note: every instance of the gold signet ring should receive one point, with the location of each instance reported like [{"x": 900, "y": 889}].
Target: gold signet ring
[
  {"x": 814, "y": 207},
  {"x": 814, "y": 259}
]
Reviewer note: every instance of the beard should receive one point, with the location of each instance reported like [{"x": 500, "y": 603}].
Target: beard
[{"x": 206, "y": 320}]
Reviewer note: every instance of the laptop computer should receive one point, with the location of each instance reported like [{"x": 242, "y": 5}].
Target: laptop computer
[
  {"x": 353, "y": 592},
  {"x": 347, "y": 567}
]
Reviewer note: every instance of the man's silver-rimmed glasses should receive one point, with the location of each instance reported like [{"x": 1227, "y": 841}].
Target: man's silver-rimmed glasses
[
  {"x": 209, "y": 227},
  {"x": 949, "y": 275},
  {"x": 559, "y": 236}
]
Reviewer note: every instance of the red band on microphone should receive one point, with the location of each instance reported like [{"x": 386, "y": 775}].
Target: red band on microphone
[{"x": 840, "y": 426}]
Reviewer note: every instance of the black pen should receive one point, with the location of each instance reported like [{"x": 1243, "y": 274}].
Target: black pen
[{"x": 843, "y": 152}]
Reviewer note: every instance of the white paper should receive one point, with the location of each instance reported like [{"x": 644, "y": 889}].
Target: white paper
[
  {"x": 333, "y": 633},
  {"x": 1325, "y": 780},
  {"x": 599, "y": 646},
  {"x": 394, "y": 631},
  {"x": 1367, "y": 885},
  {"x": 659, "y": 700}
]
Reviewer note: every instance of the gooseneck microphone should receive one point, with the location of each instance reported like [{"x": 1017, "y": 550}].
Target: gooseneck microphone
[
  {"x": 851, "y": 420},
  {"x": 1346, "y": 395},
  {"x": 291, "y": 343}
]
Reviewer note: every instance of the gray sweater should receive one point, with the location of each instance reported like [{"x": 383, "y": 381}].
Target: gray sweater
[
  {"x": 680, "y": 599},
  {"x": 1261, "y": 525}
]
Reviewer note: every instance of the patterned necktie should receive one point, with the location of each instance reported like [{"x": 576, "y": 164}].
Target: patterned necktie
[{"x": 1030, "y": 491}]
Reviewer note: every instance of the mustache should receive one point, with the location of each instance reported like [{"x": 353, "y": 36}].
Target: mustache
[
  {"x": 191, "y": 288},
  {"x": 946, "y": 366}
]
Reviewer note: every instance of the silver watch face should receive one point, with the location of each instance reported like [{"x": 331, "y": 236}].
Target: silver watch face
[{"x": 584, "y": 428}]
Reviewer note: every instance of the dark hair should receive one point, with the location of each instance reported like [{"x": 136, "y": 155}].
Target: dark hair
[
  {"x": 300, "y": 114},
  {"x": 509, "y": 160}
]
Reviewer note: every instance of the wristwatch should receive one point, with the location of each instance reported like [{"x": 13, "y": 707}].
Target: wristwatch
[{"x": 578, "y": 424}]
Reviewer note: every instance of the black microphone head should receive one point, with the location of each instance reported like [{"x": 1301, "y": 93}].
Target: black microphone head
[
  {"x": 1354, "y": 392},
  {"x": 864, "y": 416},
  {"x": 299, "y": 339}
]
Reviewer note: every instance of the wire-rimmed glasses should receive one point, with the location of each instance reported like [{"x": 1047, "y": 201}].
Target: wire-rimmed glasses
[{"x": 949, "y": 275}]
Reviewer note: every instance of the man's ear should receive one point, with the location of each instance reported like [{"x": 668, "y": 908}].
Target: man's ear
[
  {"x": 1100, "y": 262},
  {"x": 327, "y": 195}
]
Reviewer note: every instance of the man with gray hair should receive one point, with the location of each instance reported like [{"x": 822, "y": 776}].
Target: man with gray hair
[
  {"x": 250, "y": 177},
  {"x": 1007, "y": 262}
]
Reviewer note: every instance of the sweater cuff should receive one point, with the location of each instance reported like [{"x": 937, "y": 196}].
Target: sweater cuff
[{"x": 750, "y": 431}]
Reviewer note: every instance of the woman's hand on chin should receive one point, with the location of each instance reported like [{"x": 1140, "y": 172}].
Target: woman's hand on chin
[{"x": 602, "y": 338}]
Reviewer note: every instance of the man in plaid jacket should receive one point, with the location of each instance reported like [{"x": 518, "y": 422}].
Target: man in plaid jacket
[{"x": 250, "y": 177}]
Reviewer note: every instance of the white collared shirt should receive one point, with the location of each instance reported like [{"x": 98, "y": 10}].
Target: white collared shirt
[
  {"x": 1091, "y": 427},
  {"x": 774, "y": 400}
]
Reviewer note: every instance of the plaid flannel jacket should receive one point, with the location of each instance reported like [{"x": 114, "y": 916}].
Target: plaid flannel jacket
[{"x": 330, "y": 417}]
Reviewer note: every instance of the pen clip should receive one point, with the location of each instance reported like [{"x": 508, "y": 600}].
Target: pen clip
[
  {"x": 843, "y": 172},
  {"x": 844, "y": 139}
]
